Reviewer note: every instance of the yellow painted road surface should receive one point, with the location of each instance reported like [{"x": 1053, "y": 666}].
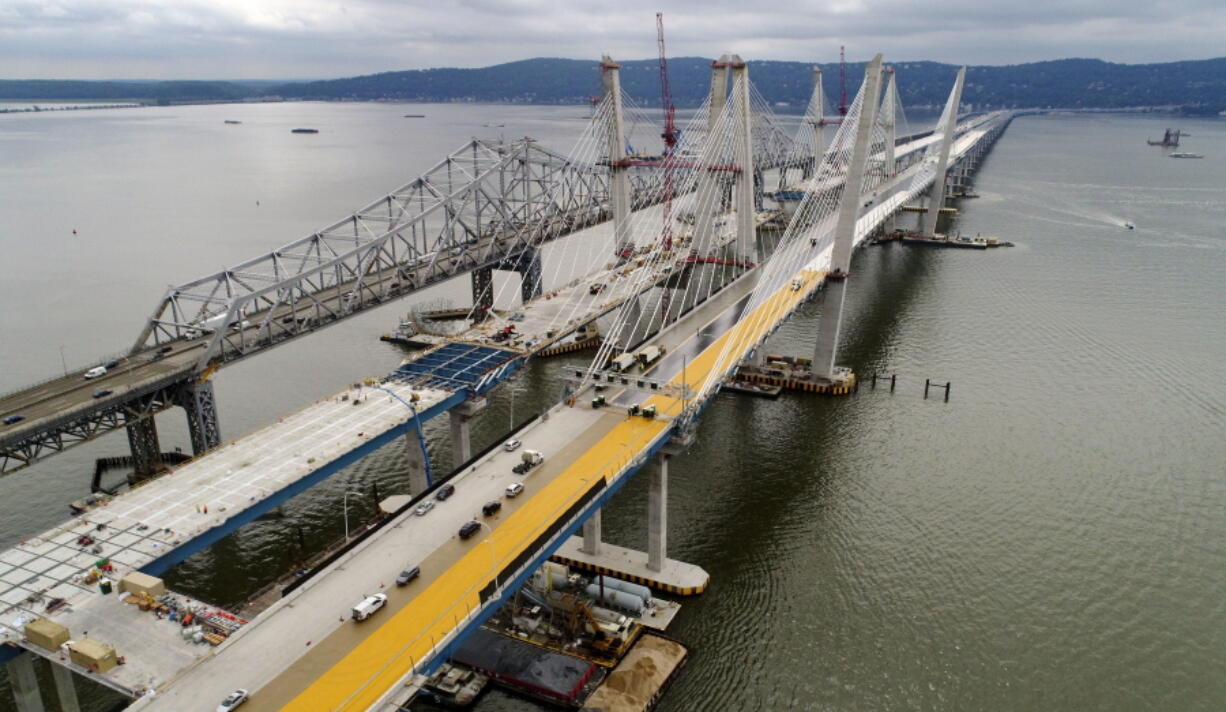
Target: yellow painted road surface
[{"x": 386, "y": 654}]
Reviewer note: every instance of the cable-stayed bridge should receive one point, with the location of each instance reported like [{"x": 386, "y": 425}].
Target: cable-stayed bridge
[{"x": 690, "y": 275}]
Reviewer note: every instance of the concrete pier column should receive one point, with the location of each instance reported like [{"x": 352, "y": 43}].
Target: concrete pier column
[
  {"x": 657, "y": 515},
  {"x": 200, "y": 404},
  {"x": 415, "y": 458},
  {"x": 24, "y": 684},
  {"x": 591, "y": 535},
  {"x": 483, "y": 292},
  {"x": 65, "y": 689},
  {"x": 461, "y": 436},
  {"x": 143, "y": 441}
]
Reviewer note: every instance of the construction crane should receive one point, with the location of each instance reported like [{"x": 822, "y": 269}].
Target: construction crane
[{"x": 669, "y": 135}]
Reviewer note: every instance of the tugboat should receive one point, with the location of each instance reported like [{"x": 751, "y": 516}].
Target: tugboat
[{"x": 1129, "y": 226}]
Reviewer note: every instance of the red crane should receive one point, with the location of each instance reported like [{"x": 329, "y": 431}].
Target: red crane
[{"x": 669, "y": 135}]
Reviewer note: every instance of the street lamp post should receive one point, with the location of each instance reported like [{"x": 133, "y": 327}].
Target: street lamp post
[
  {"x": 63, "y": 362},
  {"x": 346, "y": 507}
]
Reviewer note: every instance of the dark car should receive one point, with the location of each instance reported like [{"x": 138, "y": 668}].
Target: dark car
[
  {"x": 490, "y": 508},
  {"x": 111, "y": 364},
  {"x": 470, "y": 528},
  {"x": 444, "y": 492},
  {"x": 10, "y": 419},
  {"x": 166, "y": 349},
  {"x": 157, "y": 356},
  {"x": 408, "y": 575},
  {"x": 103, "y": 393}
]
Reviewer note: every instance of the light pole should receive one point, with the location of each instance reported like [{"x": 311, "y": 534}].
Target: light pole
[
  {"x": 346, "y": 507},
  {"x": 63, "y": 362}
]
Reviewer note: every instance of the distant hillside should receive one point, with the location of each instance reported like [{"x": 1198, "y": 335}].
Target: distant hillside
[
  {"x": 150, "y": 92},
  {"x": 1193, "y": 86},
  {"x": 1199, "y": 86}
]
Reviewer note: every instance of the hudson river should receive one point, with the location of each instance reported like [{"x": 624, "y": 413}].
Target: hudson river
[{"x": 1053, "y": 538}]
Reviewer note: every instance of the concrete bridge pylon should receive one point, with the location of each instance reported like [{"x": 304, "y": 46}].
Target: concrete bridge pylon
[{"x": 844, "y": 236}]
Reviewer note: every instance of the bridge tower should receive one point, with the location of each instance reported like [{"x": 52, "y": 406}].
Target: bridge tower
[
  {"x": 709, "y": 191},
  {"x": 845, "y": 229},
  {"x": 889, "y": 120},
  {"x": 947, "y": 138},
  {"x": 817, "y": 119},
  {"x": 745, "y": 184},
  {"x": 619, "y": 181}
]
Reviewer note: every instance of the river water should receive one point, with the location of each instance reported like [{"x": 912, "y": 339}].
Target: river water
[{"x": 1051, "y": 538}]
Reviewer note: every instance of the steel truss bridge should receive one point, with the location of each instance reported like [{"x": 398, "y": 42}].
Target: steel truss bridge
[{"x": 488, "y": 205}]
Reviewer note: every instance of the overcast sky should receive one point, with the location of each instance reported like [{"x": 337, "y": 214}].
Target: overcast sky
[{"x": 210, "y": 39}]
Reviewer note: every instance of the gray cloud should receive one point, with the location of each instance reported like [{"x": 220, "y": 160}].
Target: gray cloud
[{"x": 322, "y": 38}]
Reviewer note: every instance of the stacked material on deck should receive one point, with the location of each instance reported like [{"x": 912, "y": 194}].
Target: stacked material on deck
[
  {"x": 46, "y": 634},
  {"x": 638, "y": 681}
]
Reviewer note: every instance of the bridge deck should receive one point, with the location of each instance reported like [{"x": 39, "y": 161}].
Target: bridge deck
[{"x": 165, "y": 520}]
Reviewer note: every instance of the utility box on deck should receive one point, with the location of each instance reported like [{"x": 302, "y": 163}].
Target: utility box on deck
[
  {"x": 46, "y": 634},
  {"x": 136, "y": 582},
  {"x": 93, "y": 655}
]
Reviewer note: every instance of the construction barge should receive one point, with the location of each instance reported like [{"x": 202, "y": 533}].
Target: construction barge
[{"x": 568, "y": 641}]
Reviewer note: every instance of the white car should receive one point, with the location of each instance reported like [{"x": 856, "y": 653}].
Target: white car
[
  {"x": 95, "y": 372},
  {"x": 234, "y": 699},
  {"x": 514, "y": 489},
  {"x": 368, "y": 606},
  {"x": 424, "y": 508},
  {"x": 511, "y": 445}
]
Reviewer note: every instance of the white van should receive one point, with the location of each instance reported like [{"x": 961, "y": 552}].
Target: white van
[
  {"x": 95, "y": 372},
  {"x": 368, "y": 606}
]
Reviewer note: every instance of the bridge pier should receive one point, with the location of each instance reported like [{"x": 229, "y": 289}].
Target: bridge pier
[
  {"x": 415, "y": 459},
  {"x": 530, "y": 276},
  {"x": 592, "y": 535},
  {"x": 657, "y": 514},
  {"x": 24, "y": 682},
  {"x": 483, "y": 292},
  {"x": 143, "y": 441},
  {"x": 65, "y": 688},
  {"x": 200, "y": 403},
  {"x": 461, "y": 436}
]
